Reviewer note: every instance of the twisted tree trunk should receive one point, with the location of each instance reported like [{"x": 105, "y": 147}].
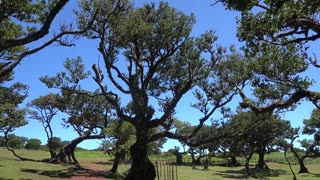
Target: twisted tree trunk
[
  {"x": 303, "y": 168},
  {"x": 261, "y": 162},
  {"x": 247, "y": 163},
  {"x": 6, "y": 133},
  {"x": 116, "y": 162},
  {"x": 141, "y": 167},
  {"x": 66, "y": 154}
]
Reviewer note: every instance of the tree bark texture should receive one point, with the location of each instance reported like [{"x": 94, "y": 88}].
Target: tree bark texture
[
  {"x": 141, "y": 167},
  {"x": 261, "y": 162},
  {"x": 233, "y": 162},
  {"x": 116, "y": 162},
  {"x": 303, "y": 168}
]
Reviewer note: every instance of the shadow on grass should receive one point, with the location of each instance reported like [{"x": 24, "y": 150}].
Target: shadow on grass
[
  {"x": 65, "y": 173},
  {"x": 310, "y": 174},
  {"x": 73, "y": 172},
  {"x": 84, "y": 172},
  {"x": 1, "y": 178},
  {"x": 258, "y": 174},
  {"x": 105, "y": 163},
  {"x": 112, "y": 175},
  {"x": 232, "y": 174}
]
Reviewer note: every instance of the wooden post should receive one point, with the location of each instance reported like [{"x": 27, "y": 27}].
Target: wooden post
[
  {"x": 169, "y": 174},
  {"x": 176, "y": 172},
  {"x": 158, "y": 170},
  {"x": 164, "y": 172},
  {"x": 172, "y": 172}
]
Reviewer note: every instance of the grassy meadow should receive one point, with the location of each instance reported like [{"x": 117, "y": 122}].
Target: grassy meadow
[{"x": 11, "y": 168}]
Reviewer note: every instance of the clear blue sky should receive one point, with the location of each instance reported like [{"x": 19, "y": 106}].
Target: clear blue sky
[{"x": 50, "y": 61}]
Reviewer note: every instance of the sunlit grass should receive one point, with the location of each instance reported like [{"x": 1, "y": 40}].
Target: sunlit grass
[{"x": 12, "y": 168}]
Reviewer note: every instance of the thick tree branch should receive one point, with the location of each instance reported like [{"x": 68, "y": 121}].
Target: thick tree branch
[
  {"x": 305, "y": 24},
  {"x": 108, "y": 95},
  {"x": 167, "y": 134},
  {"x": 278, "y": 104},
  {"x": 107, "y": 56},
  {"x": 6, "y": 133},
  {"x": 37, "y": 35},
  {"x": 55, "y": 38}
]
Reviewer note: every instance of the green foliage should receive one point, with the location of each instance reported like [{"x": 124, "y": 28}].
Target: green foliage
[
  {"x": 33, "y": 144},
  {"x": 11, "y": 116},
  {"x": 276, "y": 35},
  {"x": 277, "y": 21},
  {"x": 44, "y": 108},
  {"x": 87, "y": 110},
  {"x": 162, "y": 60},
  {"x": 312, "y": 125},
  {"x": 46, "y": 105},
  {"x": 149, "y": 55},
  {"x": 241, "y": 5},
  {"x": 251, "y": 131},
  {"x": 19, "y": 18},
  {"x": 70, "y": 79},
  {"x": 23, "y": 22},
  {"x": 16, "y": 142},
  {"x": 120, "y": 135},
  {"x": 57, "y": 143}
]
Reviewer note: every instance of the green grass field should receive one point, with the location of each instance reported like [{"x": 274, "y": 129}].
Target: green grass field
[{"x": 11, "y": 168}]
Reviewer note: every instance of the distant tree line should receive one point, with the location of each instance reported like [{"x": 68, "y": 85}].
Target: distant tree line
[{"x": 20, "y": 142}]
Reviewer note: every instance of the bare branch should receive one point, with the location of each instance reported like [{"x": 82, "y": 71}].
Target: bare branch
[{"x": 108, "y": 95}]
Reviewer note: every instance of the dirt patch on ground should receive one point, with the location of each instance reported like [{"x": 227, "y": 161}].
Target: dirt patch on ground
[{"x": 90, "y": 172}]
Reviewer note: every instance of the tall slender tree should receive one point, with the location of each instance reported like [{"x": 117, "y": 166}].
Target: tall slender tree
[{"x": 45, "y": 108}]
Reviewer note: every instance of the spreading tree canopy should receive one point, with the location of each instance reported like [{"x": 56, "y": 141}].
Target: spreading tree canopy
[
  {"x": 276, "y": 36},
  {"x": 150, "y": 59}
]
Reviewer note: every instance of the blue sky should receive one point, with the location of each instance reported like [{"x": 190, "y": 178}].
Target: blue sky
[{"x": 50, "y": 61}]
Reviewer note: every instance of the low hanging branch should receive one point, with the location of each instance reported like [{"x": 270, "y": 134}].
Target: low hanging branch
[
  {"x": 67, "y": 155},
  {"x": 6, "y": 133}
]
